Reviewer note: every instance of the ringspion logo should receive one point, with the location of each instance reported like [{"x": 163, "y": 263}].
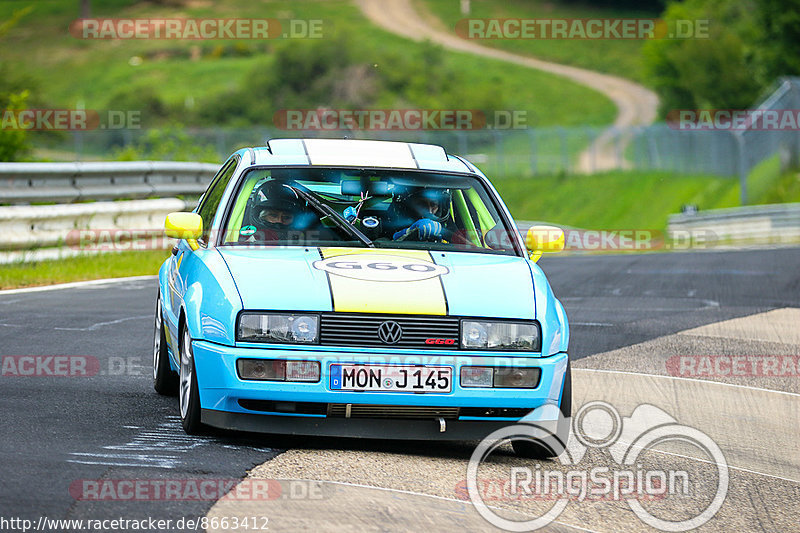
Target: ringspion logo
[{"x": 599, "y": 426}]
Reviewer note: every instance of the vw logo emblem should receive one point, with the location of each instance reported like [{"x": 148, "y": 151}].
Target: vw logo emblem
[{"x": 390, "y": 332}]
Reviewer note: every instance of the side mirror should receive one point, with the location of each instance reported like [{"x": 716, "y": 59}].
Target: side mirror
[
  {"x": 541, "y": 239},
  {"x": 187, "y": 226}
]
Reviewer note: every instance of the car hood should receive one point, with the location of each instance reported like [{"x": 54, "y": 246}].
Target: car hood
[{"x": 382, "y": 281}]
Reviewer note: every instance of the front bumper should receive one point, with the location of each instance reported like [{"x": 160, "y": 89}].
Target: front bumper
[
  {"x": 366, "y": 428},
  {"x": 222, "y": 395}
]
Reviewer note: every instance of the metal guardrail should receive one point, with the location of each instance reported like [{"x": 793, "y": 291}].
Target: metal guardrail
[
  {"x": 774, "y": 223},
  {"x": 24, "y": 183}
]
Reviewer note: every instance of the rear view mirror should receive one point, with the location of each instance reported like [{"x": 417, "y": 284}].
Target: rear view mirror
[
  {"x": 187, "y": 226},
  {"x": 357, "y": 187},
  {"x": 542, "y": 239}
]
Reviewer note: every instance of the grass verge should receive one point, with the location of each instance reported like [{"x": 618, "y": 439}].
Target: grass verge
[
  {"x": 637, "y": 199},
  {"x": 82, "y": 268}
]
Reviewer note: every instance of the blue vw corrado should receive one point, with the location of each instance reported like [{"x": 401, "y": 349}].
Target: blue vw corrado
[{"x": 359, "y": 288}]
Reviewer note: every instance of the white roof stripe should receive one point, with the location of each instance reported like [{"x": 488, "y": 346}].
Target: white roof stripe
[{"x": 341, "y": 152}]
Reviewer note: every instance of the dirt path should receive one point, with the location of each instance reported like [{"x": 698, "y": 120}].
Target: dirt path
[{"x": 636, "y": 105}]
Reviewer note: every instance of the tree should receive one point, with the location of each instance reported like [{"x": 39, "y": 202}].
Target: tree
[
  {"x": 779, "y": 45},
  {"x": 721, "y": 71},
  {"x": 13, "y": 98}
]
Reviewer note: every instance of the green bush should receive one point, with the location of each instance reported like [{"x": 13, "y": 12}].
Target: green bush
[
  {"x": 171, "y": 143},
  {"x": 142, "y": 98},
  {"x": 336, "y": 73},
  {"x": 14, "y": 143}
]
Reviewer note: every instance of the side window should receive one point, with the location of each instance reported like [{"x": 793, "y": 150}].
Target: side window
[{"x": 213, "y": 196}]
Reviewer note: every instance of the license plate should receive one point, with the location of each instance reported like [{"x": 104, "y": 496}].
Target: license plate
[{"x": 391, "y": 378}]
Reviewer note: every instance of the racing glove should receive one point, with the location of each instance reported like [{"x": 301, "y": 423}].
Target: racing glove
[{"x": 427, "y": 230}]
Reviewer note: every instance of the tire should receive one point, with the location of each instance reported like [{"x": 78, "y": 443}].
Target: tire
[
  {"x": 539, "y": 450},
  {"x": 165, "y": 380},
  {"x": 188, "y": 394}
]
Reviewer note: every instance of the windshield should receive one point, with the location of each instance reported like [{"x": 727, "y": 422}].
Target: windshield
[{"x": 365, "y": 208}]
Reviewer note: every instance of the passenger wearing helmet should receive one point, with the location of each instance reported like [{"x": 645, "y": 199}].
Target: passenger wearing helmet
[
  {"x": 420, "y": 214},
  {"x": 274, "y": 213}
]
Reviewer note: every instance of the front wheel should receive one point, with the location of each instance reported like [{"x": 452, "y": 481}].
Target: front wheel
[
  {"x": 189, "y": 396},
  {"x": 165, "y": 380}
]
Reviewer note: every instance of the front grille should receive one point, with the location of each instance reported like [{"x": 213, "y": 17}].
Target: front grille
[
  {"x": 409, "y": 412},
  {"x": 349, "y": 329},
  {"x": 339, "y": 410}
]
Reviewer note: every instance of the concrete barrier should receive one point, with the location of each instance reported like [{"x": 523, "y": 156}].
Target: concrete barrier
[{"x": 30, "y": 233}]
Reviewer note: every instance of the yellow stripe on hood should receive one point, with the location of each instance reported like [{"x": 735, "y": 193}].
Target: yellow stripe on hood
[{"x": 390, "y": 291}]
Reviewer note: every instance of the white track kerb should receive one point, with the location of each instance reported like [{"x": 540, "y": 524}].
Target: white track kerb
[{"x": 646, "y": 428}]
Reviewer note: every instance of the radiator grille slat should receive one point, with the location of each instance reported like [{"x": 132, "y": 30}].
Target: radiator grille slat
[
  {"x": 353, "y": 329},
  {"x": 393, "y": 411}
]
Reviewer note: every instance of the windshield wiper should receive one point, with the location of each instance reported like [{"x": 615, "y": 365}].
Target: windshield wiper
[{"x": 324, "y": 209}]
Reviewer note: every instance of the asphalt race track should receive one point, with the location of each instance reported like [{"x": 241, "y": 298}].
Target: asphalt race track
[{"x": 630, "y": 315}]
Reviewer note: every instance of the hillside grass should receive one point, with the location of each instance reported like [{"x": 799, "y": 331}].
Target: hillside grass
[
  {"x": 620, "y": 57},
  {"x": 90, "y": 73}
]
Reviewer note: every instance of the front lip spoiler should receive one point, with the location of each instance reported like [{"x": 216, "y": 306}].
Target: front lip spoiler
[{"x": 365, "y": 428}]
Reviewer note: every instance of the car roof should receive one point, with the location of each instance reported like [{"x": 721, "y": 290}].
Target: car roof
[{"x": 355, "y": 153}]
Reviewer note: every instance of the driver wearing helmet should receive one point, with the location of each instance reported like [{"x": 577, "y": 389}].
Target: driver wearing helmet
[
  {"x": 274, "y": 213},
  {"x": 420, "y": 215}
]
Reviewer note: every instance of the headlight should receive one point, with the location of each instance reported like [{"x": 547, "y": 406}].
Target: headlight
[
  {"x": 512, "y": 336},
  {"x": 295, "y": 328}
]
